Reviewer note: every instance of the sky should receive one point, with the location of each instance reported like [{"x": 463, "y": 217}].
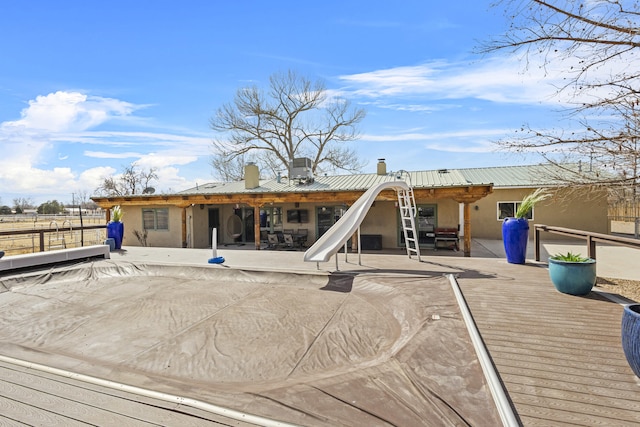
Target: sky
[{"x": 88, "y": 88}]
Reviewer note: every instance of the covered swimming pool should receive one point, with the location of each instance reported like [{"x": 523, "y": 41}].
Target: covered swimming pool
[{"x": 366, "y": 348}]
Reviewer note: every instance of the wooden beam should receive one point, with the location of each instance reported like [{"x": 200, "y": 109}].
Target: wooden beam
[{"x": 467, "y": 194}]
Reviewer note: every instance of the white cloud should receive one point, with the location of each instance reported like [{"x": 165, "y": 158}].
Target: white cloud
[
  {"x": 533, "y": 80},
  {"x": 467, "y": 140},
  {"x": 496, "y": 79},
  {"x": 108, "y": 155},
  {"x": 165, "y": 159},
  {"x": 38, "y": 144},
  {"x": 69, "y": 111}
]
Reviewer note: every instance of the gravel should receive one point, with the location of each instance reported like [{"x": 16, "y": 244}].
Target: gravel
[{"x": 629, "y": 289}]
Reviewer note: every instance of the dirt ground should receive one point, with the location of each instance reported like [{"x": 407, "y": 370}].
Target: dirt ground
[{"x": 627, "y": 288}]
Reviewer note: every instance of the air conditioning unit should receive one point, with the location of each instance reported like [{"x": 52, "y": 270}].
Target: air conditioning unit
[{"x": 301, "y": 168}]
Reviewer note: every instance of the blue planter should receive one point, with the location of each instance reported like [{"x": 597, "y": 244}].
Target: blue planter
[
  {"x": 115, "y": 231},
  {"x": 574, "y": 278},
  {"x": 631, "y": 336},
  {"x": 515, "y": 235}
]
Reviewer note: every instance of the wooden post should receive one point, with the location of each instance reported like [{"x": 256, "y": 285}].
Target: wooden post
[
  {"x": 256, "y": 226},
  {"x": 591, "y": 247},
  {"x": 467, "y": 229},
  {"x": 184, "y": 227},
  {"x": 536, "y": 242}
]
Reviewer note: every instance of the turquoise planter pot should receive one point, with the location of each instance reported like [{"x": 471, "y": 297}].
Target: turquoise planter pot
[{"x": 574, "y": 278}]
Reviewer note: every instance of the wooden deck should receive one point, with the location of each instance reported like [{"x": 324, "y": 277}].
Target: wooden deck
[
  {"x": 559, "y": 356},
  {"x": 29, "y": 397}
]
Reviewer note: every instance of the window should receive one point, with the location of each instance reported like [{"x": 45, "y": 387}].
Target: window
[
  {"x": 155, "y": 219},
  {"x": 270, "y": 218},
  {"x": 508, "y": 209},
  {"x": 426, "y": 221}
]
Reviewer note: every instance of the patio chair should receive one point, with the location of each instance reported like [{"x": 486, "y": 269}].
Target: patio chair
[
  {"x": 288, "y": 240},
  {"x": 272, "y": 241},
  {"x": 301, "y": 237}
]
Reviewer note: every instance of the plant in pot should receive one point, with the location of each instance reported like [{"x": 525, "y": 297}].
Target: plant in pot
[
  {"x": 572, "y": 273},
  {"x": 630, "y": 331},
  {"x": 515, "y": 230},
  {"x": 115, "y": 228}
]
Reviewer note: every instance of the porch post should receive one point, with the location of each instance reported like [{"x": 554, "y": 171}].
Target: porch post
[
  {"x": 184, "y": 227},
  {"x": 256, "y": 226},
  {"x": 467, "y": 229}
]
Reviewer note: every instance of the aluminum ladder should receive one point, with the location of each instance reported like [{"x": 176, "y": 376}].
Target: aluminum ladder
[{"x": 407, "y": 206}]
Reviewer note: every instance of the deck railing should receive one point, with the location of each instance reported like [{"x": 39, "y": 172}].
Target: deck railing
[
  {"x": 41, "y": 232},
  {"x": 591, "y": 238}
]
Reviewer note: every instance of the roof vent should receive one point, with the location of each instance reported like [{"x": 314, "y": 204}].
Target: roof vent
[{"x": 443, "y": 170}]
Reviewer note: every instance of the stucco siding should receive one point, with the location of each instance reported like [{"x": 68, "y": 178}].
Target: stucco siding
[
  {"x": 171, "y": 238},
  {"x": 564, "y": 210}
]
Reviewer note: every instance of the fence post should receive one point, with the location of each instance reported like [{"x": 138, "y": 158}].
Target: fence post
[
  {"x": 41, "y": 240},
  {"x": 637, "y": 230},
  {"x": 591, "y": 247}
]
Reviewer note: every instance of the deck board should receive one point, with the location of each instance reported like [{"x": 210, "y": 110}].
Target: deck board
[
  {"x": 559, "y": 356},
  {"x": 28, "y": 397}
]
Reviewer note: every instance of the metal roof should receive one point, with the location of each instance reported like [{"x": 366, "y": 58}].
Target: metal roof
[
  {"x": 526, "y": 175},
  {"x": 499, "y": 177},
  {"x": 354, "y": 182}
]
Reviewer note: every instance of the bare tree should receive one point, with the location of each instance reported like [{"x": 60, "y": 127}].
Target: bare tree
[
  {"x": 228, "y": 167},
  {"x": 22, "y": 203},
  {"x": 133, "y": 180},
  {"x": 295, "y": 118},
  {"x": 596, "y": 44}
]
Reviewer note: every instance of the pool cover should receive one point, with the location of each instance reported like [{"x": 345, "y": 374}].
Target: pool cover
[{"x": 310, "y": 349}]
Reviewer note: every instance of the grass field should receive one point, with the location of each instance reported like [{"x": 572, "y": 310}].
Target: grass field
[{"x": 53, "y": 238}]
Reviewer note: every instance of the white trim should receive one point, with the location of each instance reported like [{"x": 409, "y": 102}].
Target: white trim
[{"x": 498, "y": 393}]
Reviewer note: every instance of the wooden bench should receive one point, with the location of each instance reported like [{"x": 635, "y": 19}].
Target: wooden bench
[{"x": 447, "y": 235}]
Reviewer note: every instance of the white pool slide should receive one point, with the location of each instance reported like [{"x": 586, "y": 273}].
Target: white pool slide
[{"x": 334, "y": 239}]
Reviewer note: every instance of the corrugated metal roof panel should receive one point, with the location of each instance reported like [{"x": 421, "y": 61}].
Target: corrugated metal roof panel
[
  {"x": 438, "y": 178},
  {"x": 503, "y": 176},
  {"x": 519, "y": 176},
  {"x": 355, "y": 182}
]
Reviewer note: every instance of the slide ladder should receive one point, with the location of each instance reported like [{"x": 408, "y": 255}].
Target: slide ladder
[{"x": 408, "y": 211}]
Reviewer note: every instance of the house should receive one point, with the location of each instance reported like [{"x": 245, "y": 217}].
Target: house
[
  {"x": 463, "y": 201},
  {"x": 582, "y": 210}
]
